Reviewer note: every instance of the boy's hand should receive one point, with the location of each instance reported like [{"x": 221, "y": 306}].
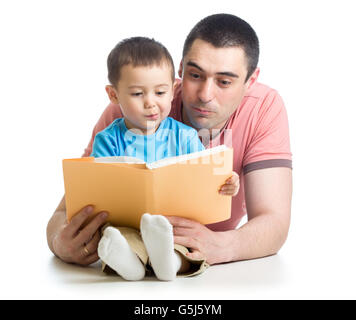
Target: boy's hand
[{"x": 231, "y": 186}]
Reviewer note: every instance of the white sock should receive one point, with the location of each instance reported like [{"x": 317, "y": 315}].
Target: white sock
[
  {"x": 115, "y": 251},
  {"x": 157, "y": 234}
]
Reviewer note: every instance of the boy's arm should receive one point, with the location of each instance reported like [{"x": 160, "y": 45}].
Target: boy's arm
[
  {"x": 111, "y": 113},
  {"x": 70, "y": 241},
  {"x": 104, "y": 145},
  {"x": 268, "y": 199},
  {"x": 192, "y": 142}
]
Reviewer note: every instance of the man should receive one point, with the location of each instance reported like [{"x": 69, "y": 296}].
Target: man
[{"x": 220, "y": 97}]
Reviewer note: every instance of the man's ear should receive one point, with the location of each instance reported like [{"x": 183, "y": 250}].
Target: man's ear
[
  {"x": 180, "y": 70},
  {"x": 112, "y": 94},
  {"x": 175, "y": 84},
  {"x": 253, "y": 78}
]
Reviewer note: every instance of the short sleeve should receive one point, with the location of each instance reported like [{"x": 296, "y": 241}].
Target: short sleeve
[
  {"x": 104, "y": 146},
  {"x": 269, "y": 144},
  {"x": 193, "y": 142},
  {"x": 111, "y": 113}
]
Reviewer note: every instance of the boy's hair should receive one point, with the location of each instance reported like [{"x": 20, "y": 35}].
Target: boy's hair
[
  {"x": 138, "y": 51},
  {"x": 226, "y": 30}
]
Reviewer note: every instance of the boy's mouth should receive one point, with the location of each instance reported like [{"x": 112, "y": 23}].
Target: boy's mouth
[{"x": 152, "y": 116}]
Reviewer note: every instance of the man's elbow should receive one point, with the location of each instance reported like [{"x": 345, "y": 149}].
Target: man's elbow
[{"x": 281, "y": 235}]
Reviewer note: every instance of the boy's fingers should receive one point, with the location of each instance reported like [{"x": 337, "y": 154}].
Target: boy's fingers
[
  {"x": 233, "y": 179},
  {"x": 229, "y": 187}
]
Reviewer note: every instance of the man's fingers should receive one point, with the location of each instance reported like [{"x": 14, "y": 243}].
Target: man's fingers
[
  {"x": 92, "y": 245},
  {"x": 196, "y": 254},
  {"x": 186, "y": 242},
  {"x": 89, "y": 259},
  {"x": 78, "y": 220},
  {"x": 88, "y": 252},
  {"x": 87, "y": 233},
  {"x": 181, "y": 222},
  {"x": 180, "y": 231},
  {"x": 92, "y": 258}
]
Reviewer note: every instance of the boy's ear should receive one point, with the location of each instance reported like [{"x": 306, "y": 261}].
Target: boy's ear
[
  {"x": 112, "y": 94},
  {"x": 180, "y": 70}
]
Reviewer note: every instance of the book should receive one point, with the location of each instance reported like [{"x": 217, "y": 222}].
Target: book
[{"x": 126, "y": 187}]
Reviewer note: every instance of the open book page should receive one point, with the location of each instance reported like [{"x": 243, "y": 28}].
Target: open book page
[
  {"x": 189, "y": 189},
  {"x": 119, "y": 159},
  {"x": 185, "y": 157}
]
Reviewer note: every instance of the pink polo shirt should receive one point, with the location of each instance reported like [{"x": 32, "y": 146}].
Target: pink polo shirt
[{"x": 257, "y": 131}]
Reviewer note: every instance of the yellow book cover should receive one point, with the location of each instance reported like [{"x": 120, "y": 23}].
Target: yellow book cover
[{"x": 185, "y": 186}]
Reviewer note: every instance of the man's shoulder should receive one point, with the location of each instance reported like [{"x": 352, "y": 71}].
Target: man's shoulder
[
  {"x": 259, "y": 90},
  {"x": 260, "y": 98}
]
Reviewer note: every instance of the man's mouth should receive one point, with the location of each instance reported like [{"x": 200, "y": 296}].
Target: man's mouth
[{"x": 202, "y": 111}]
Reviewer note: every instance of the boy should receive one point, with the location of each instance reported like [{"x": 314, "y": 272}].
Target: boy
[{"x": 142, "y": 77}]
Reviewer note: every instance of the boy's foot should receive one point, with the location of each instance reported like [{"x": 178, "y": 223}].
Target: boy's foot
[
  {"x": 157, "y": 234},
  {"x": 115, "y": 251}
]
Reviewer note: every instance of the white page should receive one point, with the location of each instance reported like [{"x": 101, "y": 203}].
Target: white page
[{"x": 119, "y": 159}]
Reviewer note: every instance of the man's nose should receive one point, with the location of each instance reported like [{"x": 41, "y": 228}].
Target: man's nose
[{"x": 206, "y": 91}]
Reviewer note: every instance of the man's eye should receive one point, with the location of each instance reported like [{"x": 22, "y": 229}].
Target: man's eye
[
  {"x": 194, "y": 75},
  {"x": 225, "y": 83}
]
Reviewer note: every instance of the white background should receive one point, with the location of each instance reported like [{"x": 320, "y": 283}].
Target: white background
[{"x": 52, "y": 78}]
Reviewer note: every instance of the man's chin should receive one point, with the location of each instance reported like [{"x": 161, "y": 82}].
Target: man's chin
[{"x": 202, "y": 123}]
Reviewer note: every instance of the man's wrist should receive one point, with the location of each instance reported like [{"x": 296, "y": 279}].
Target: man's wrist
[{"x": 226, "y": 251}]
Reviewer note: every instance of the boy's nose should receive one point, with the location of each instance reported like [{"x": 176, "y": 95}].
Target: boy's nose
[{"x": 149, "y": 103}]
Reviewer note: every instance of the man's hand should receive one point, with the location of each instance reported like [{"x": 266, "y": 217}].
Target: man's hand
[
  {"x": 75, "y": 242},
  {"x": 202, "y": 242}
]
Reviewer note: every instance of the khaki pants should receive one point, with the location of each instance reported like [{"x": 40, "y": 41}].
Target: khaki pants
[{"x": 134, "y": 239}]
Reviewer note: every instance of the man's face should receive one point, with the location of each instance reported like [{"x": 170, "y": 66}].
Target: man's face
[{"x": 213, "y": 84}]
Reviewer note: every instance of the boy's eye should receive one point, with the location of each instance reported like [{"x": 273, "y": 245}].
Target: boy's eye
[
  {"x": 136, "y": 94},
  {"x": 160, "y": 93}
]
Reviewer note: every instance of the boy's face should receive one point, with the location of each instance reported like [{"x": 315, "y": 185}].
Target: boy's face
[{"x": 145, "y": 95}]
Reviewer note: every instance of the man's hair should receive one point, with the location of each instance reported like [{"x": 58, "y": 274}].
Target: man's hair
[
  {"x": 226, "y": 30},
  {"x": 138, "y": 51}
]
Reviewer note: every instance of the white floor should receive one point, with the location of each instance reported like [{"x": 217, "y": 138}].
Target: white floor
[{"x": 308, "y": 267}]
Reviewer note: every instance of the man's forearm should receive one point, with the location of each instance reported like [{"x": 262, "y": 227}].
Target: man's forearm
[
  {"x": 268, "y": 194},
  {"x": 56, "y": 223},
  {"x": 261, "y": 236}
]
